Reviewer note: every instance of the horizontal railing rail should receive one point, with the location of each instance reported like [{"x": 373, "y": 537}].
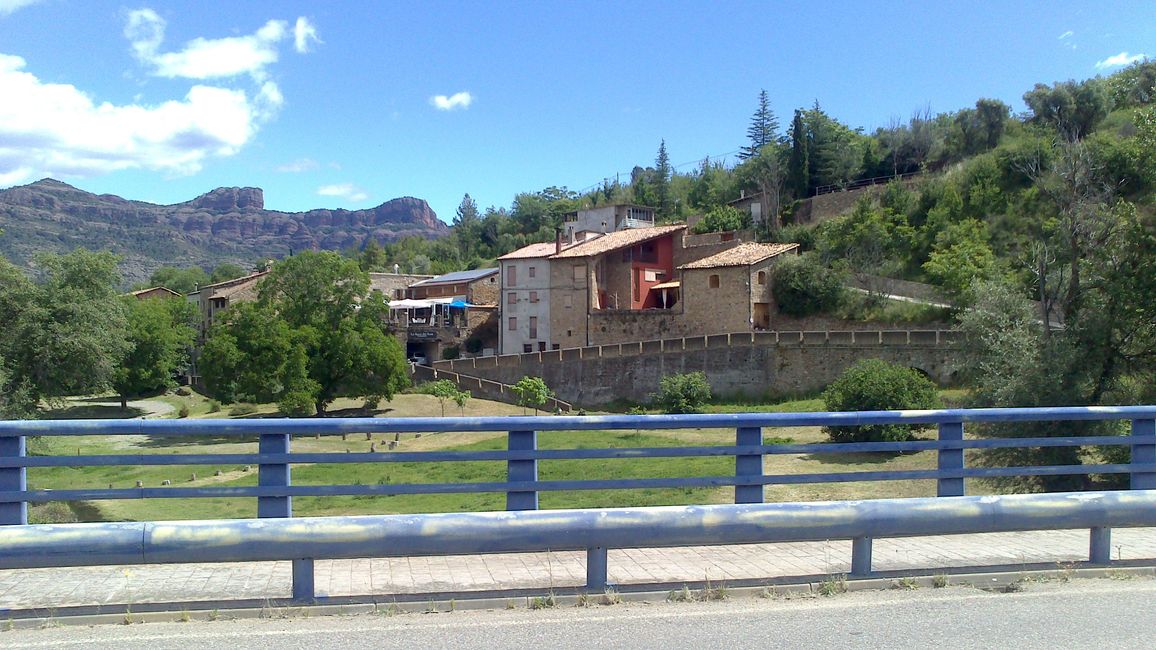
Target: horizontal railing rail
[{"x": 522, "y": 486}]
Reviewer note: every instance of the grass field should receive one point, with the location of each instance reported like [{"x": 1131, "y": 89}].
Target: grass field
[{"x": 473, "y": 471}]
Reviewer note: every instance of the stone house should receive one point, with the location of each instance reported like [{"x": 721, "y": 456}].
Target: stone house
[
  {"x": 525, "y": 298},
  {"x": 731, "y": 291},
  {"x": 154, "y": 292}
]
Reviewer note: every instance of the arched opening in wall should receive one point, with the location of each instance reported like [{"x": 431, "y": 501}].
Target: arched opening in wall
[
  {"x": 923, "y": 372},
  {"x": 762, "y": 277}
]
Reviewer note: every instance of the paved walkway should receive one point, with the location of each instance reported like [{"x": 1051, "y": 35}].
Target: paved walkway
[{"x": 189, "y": 583}]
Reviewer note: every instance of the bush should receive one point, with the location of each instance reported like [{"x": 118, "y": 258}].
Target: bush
[
  {"x": 533, "y": 392},
  {"x": 242, "y": 409},
  {"x": 473, "y": 345},
  {"x": 184, "y": 411},
  {"x": 452, "y": 352},
  {"x": 803, "y": 286},
  {"x": 214, "y": 406},
  {"x": 722, "y": 219},
  {"x": 684, "y": 393},
  {"x": 183, "y": 391},
  {"x": 875, "y": 385}
]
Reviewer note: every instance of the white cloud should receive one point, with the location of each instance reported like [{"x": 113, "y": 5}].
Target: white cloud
[
  {"x": 453, "y": 102},
  {"x": 304, "y": 35},
  {"x": 1067, "y": 34},
  {"x": 59, "y": 130},
  {"x": 204, "y": 58},
  {"x": 1119, "y": 60},
  {"x": 348, "y": 191},
  {"x": 299, "y": 165},
  {"x": 8, "y": 6}
]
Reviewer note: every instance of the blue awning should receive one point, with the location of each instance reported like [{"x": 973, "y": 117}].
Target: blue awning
[{"x": 460, "y": 304}]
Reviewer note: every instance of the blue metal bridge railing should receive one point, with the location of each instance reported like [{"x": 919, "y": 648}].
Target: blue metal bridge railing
[{"x": 275, "y": 490}]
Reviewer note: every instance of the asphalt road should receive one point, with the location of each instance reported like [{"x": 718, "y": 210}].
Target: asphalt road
[{"x": 1100, "y": 613}]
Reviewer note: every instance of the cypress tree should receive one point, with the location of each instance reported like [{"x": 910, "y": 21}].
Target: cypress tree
[{"x": 798, "y": 173}]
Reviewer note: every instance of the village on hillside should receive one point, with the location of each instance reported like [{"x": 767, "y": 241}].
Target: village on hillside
[{"x": 611, "y": 276}]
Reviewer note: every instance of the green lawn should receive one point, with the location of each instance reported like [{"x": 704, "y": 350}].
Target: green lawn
[{"x": 474, "y": 471}]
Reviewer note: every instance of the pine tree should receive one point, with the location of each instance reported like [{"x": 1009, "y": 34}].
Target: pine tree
[
  {"x": 764, "y": 128},
  {"x": 798, "y": 166},
  {"x": 662, "y": 174}
]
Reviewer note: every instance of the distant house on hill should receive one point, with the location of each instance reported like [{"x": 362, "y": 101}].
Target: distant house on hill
[{"x": 154, "y": 292}]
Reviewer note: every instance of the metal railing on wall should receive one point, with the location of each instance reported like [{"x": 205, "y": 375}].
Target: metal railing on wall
[{"x": 523, "y": 485}]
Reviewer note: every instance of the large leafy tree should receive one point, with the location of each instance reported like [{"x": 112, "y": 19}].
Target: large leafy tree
[
  {"x": 160, "y": 333},
  {"x": 66, "y": 334},
  {"x": 314, "y": 334}
]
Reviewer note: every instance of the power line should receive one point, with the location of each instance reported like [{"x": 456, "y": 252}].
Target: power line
[{"x": 679, "y": 166}]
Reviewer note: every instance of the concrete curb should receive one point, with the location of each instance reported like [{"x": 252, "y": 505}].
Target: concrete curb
[{"x": 829, "y": 586}]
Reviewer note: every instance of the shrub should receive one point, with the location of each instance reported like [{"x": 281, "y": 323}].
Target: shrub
[
  {"x": 875, "y": 385},
  {"x": 183, "y": 391},
  {"x": 722, "y": 219},
  {"x": 684, "y": 393},
  {"x": 214, "y": 406},
  {"x": 473, "y": 345},
  {"x": 242, "y": 409},
  {"x": 296, "y": 403},
  {"x": 804, "y": 286},
  {"x": 184, "y": 411},
  {"x": 452, "y": 352}
]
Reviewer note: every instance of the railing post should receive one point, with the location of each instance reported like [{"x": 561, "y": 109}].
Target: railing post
[
  {"x": 1144, "y": 453},
  {"x": 278, "y": 475},
  {"x": 596, "y": 568},
  {"x": 13, "y": 479},
  {"x": 861, "y": 556},
  {"x": 522, "y": 470},
  {"x": 748, "y": 465},
  {"x": 950, "y": 459},
  {"x": 1100, "y": 545}
]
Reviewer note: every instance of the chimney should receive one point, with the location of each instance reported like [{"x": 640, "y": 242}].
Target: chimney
[
  {"x": 557, "y": 240},
  {"x": 603, "y": 227}
]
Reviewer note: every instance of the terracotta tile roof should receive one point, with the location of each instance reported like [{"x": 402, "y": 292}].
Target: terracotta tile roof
[
  {"x": 544, "y": 249},
  {"x": 617, "y": 240},
  {"x": 741, "y": 255},
  {"x": 239, "y": 280}
]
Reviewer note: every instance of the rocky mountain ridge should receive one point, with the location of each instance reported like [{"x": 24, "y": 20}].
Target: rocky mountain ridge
[{"x": 228, "y": 224}]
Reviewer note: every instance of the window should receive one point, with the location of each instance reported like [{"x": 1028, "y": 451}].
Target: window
[
  {"x": 569, "y": 332},
  {"x": 513, "y": 323},
  {"x": 556, "y": 346},
  {"x": 511, "y": 298},
  {"x": 762, "y": 278},
  {"x": 648, "y": 252},
  {"x": 526, "y": 347},
  {"x": 541, "y": 346},
  {"x": 579, "y": 273},
  {"x": 652, "y": 275},
  {"x": 713, "y": 281},
  {"x": 568, "y": 301},
  {"x": 533, "y": 271},
  {"x": 533, "y": 327},
  {"x": 511, "y": 275},
  {"x": 533, "y": 296}
]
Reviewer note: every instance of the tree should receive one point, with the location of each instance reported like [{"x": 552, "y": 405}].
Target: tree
[
  {"x": 1071, "y": 108},
  {"x": 799, "y": 164},
  {"x": 184, "y": 280},
  {"x": 312, "y": 336},
  {"x": 682, "y": 393},
  {"x": 875, "y": 385},
  {"x": 533, "y": 392},
  {"x": 767, "y": 174},
  {"x": 662, "y": 174},
  {"x": 804, "y": 286},
  {"x": 764, "y": 129},
  {"x": 712, "y": 185},
  {"x": 160, "y": 333},
  {"x": 722, "y": 219},
  {"x": 65, "y": 335},
  {"x": 447, "y": 391},
  {"x": 961, "y": 256},
  {"x": 227, "y": 271}
]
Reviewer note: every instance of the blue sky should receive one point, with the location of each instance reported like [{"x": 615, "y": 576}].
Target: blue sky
[{"x": 347, "y": 104}]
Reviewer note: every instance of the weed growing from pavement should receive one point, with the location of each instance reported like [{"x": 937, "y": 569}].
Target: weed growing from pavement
[
  {"x": 543, "y": 602},
  {"x": 611, "y": 597},
  {"x": 833, "y": 586},
  {"x": 684, "y": 595},
  {"x": 583, "y": 600},
  {"x": 905, "y": 583},
  {"x": 939, "y": 581}
]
